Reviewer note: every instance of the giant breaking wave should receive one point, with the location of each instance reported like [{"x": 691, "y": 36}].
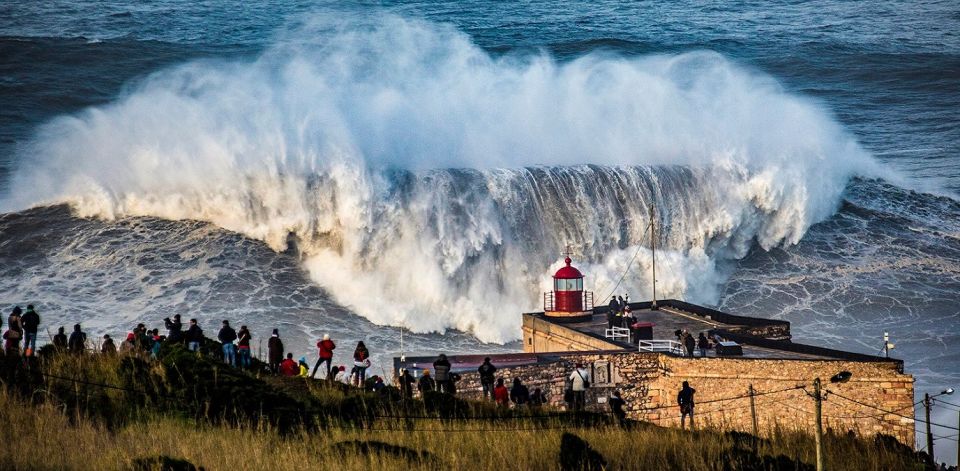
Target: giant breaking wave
[{"x": 432, "y": 185}]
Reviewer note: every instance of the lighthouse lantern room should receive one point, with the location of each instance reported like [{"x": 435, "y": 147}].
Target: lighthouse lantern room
[{"x": 568, "y": 301}]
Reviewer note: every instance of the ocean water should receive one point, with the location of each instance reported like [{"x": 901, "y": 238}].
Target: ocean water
[{"x": 360, "y": 168}]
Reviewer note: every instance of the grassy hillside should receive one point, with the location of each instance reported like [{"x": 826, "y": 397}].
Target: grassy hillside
[{"x": 96, "y": 412}]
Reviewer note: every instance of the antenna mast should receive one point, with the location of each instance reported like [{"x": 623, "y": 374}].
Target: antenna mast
[{"x": 653, "y": 256}]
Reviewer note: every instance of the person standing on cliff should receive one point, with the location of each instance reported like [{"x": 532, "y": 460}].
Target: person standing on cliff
[
  {"x": 361, "y": 361},
  {"x": 487, "y": 378},
  {"x": 14, "y": 332},
  {"x": 30, "y": 322},
  {"x": 275, "y": 351},
  {"x": 616, "y": 407},
  {"x": 78, "y": 340},
  {"x": 226, "y": 336},
  {"x": 406, "y": 384},
  {"x": 426, "y": 383},
  {"x": 194, "y": 336},
  {"x": 442, "y": 369},
  {"x": 174, "y": 329},
  {"x": 243, "y": 347},
  {"x": 325, "y": 348},
  {"x": 579, "y": 382},
  {"x": 685, "y": 400}
]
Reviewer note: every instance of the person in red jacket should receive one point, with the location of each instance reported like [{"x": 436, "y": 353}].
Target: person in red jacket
[
  {"x": 289, "y": 367},
  {"x": 501, "y": 394},
  {"x": 326, "y": 347}
]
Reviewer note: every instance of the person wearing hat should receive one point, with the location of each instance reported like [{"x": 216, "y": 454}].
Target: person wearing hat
[
  {"x": 274, "y": 351},
  {"x": 426, "y": 383},
  {"x": 304, "y": 367},
  {"x": 127, "y": 345},
  {"x": 326, "y": 347}
]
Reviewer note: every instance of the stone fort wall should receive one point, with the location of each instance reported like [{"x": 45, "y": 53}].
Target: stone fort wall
[{"x": 649, "y": 383}]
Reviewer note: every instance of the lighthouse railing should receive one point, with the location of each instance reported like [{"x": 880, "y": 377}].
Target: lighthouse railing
[{"x": 548, "y": 301}]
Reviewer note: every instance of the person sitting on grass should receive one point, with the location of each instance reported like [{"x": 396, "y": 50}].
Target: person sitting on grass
[
  {"x": 288, "y": 367},
  {"x": 304, "y": 367},
  {"x": 341, "y": 375},
  {"x": 501, "y": 394}
]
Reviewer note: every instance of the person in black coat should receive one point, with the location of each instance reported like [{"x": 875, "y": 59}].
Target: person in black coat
[
  {"x": 442, "y": 369},
  {"x": 689, "y": 343},
  {"x": 30, "y": 322},
  {"x": 685, "y": 401},
  {"x": 487, "y": 377},
  {"x": 78, "y": 340},
  {"x": 612, "y": 313},
  {"x": 174, "y": 329},
  {"x": 226, "y": 336},
  {"x": 616, "y": 407},
  {"x": 194, "y": 336},
  {"x": 60, "y": 340},
  {"x": 519, "y": 393},
  {"x": 406, "y": 384},
  {"x": 275, "y": 351}
]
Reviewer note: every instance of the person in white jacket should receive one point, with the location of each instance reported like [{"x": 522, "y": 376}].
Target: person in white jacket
[{"x": 579, "y": 382}]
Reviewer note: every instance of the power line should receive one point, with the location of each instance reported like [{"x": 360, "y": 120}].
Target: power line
[
  {"x": 892, "y": 412},
  {"x": 629, "y": 264}
]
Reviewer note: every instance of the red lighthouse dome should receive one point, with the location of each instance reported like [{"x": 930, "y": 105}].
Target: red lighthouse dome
[{"x": 568, "y": 300}]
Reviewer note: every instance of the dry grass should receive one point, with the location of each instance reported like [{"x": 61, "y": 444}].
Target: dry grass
[{"x": 43, "y": 437}]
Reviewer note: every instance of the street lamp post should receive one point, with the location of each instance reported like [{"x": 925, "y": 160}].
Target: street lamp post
[{"x": 926, "y": 405}]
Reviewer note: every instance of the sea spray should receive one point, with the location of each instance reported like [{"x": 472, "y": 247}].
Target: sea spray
[{"x": 432, "y": 185}]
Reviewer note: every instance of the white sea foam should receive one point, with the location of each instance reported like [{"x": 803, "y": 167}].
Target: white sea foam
[{"x": 432, "y": 185}]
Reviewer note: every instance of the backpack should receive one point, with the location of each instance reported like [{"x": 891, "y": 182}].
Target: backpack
[{"x": 586, "y": 382}]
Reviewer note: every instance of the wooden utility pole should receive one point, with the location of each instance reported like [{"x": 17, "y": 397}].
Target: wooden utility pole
[
  {"x": 653, "y": 256},
  {"x": 926, "y": 405},
  {"x": 753, "y": 412},
  {"x": 819, "y": 437}
]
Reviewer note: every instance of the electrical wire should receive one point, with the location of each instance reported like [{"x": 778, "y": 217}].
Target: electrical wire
[{"x": 892, "y": 412}]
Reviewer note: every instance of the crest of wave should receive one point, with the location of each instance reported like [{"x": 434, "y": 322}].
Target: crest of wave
[{"x": 432, "y": 185}]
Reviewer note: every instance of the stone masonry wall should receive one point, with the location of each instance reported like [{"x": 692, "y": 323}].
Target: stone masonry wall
[{"x": 649, "y": 383}]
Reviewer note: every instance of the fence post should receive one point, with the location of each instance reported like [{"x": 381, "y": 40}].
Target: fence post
[
  {"x": 753, "y": 412},
  {"x": 819, "y": 437}
]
